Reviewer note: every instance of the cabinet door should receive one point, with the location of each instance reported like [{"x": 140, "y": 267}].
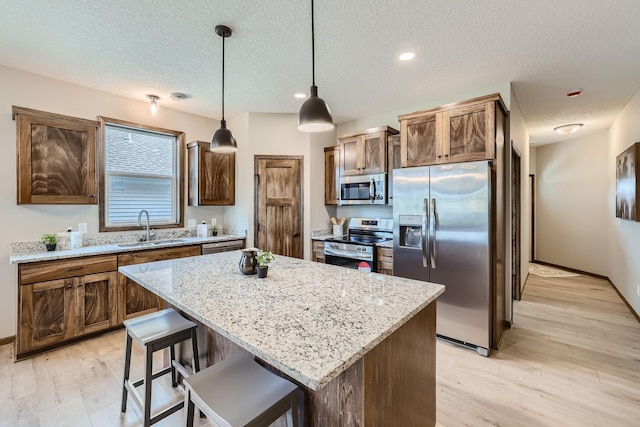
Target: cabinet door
[
  {"x": 45, "y": 314},
  {"x": 350, "y": 156},
  {"x": 56, "y": 158},
  {"x": 217, "y": 178},
  {"x": 374, "y": 153},
  {"x": 385, "y": 260},
  {"x": 133, "y": 299},
  {"x": 96, "y": 302},
  {"x": 331, "y": 175},
  {"x": 318, "y": 251},
  {"x": 468, "y": 133},
  {"x": 420, "y": 139}
]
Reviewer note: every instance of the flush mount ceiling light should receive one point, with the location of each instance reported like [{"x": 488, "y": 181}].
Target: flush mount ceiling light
[
  {"x": 314, "y": 115},
  {"x": 407, "y": 56},
  {"x": 565, "y": 129},
  {"x": 300, "y": 95},
  {"x": 153, "y": 104},
  {"x": 223, "y": 140}
]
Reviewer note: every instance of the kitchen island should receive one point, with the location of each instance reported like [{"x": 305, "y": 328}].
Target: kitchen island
[{"x": 362, "y": 345}]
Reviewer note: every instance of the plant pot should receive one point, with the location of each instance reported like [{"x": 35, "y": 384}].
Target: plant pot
[
  {"x": 51, "y": 246},
  {"x": 262, "y": 271},
  {"x": 214, "y": 233}
]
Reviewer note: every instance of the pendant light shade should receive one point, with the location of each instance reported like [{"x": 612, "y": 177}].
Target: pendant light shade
[
  {"x": 223, "y": 140},
  {"x": 314, "y": 115}
]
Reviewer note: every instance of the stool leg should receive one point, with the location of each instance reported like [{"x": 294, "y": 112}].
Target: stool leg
[
  {"x": 127, "y": 369},
  {"x": 188, "y": 403},
  {"x": 194, "y": 347},
  {"x": 174, "y": 382},
  {"x": 148, "y": 379},
  {"x": 299, "y": 402}
]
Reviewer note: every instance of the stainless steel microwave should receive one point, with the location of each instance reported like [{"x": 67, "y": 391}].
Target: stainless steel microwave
[{"x": 363, "y": 189}]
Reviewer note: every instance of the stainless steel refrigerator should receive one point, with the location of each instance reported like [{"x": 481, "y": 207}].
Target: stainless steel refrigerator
[{"x": 444, "y": 218}]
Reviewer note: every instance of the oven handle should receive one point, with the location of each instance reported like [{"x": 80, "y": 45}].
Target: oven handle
[{"x": 346, "y": 254}]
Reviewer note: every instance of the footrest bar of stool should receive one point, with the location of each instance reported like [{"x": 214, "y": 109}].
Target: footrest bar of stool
[
  {"x": 164, "y": 414},
  {"x": 158, "y": 374},
  {"x": 135, "y": 396},
  {"x": 181, "y": 369}
]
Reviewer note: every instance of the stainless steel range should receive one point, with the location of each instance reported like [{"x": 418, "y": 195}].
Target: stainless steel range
[{"x": 357, "y": 249}]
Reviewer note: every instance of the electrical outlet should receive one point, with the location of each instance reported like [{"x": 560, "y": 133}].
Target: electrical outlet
[
  {"x": 191, "y": 223},
  {"x": 82, "y": 227}
]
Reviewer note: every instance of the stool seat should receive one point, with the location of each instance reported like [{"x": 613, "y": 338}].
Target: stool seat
[
  {"x": 240, "y": 392},
  {"x": 156, "y": 326},
  {"x": 153, "y": 332}
]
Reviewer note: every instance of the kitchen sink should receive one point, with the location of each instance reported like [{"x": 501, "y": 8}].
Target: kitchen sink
[{"x": 150, "y": 243}]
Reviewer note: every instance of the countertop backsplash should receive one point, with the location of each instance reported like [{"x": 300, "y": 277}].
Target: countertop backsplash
[{"x": 36, "y": 246}]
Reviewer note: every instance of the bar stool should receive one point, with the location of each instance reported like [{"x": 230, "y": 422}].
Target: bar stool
[
  {"x": 239, "y": 392},
  {"x": 153, "y": 332}
]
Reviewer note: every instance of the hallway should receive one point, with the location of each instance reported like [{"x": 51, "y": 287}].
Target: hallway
[{"x": 572, "y": 358}]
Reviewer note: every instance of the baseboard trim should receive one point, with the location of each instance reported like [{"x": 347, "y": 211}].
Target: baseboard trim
[
  {"x": 7, "y": 340},
  {"x": 586, "y": 273}
]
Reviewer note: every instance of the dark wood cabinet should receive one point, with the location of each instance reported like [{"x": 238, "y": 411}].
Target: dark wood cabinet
[
  {"x": 393, "y": 162},
  {"x": 56, "y": 158},
  {"x": 331, "y": 175},
  {"x": 211, "y": 176},
  {"x": 133, "y": 299},
  {"x": 364, "y": 152},
  {"x": 61, "y": 300},
  {"x": 459, "y": 132},
  {"x": 385, "y": 260}
]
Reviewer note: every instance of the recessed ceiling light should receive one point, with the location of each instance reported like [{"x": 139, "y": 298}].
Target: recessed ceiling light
[
  {"x": 407, "y": 56},
  {"x": 177, "y": 96},
  {"x": 565, "y": 129},
  {"x": 299, "y": 95}
]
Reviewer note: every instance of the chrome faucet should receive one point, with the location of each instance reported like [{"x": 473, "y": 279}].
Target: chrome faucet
[{"x": 147, "y": 226}]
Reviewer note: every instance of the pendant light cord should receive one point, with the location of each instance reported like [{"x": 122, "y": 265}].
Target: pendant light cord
[
  {"x": 313, "y": 49},
  {"x": 223, "y": 77}
]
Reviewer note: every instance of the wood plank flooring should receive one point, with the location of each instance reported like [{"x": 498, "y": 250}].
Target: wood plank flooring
[{"x": 572, "y": 358}]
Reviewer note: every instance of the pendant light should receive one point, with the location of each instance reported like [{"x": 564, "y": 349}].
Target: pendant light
[
  {"x": 314, "y": 115},
  {"x": 223, "y": 140}
]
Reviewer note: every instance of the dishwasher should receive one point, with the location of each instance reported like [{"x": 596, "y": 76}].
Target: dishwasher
[{"x": 214, "y": 248}]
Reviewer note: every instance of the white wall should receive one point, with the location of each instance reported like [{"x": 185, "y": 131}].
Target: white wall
[
  {"x": 622, "y": 252},
  {"x": 571, "y": 203}
]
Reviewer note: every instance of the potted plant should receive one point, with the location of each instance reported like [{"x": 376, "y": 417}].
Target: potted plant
[
  {"x": 50, "y": 241},
  {"x": 263, "y": 259},
  {"x": 214, "y": 230}
]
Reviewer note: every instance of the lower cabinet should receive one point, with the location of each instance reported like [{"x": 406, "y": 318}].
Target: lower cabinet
[
  {"x": 133, "y": 299},
  {"x": 61, "y": 300},
  {"x": 318, "y": 251},
  {"x": 385, "y": 260}
]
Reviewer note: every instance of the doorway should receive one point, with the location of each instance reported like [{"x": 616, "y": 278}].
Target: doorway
[
  {"x": 532, "y": 193},
  {"x": 278, "y": 214},
  {"x": 516, "y": 220}
]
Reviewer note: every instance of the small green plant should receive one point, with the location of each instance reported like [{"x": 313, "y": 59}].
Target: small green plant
[
  {"x": 215, "y": 228},
  {"x": 264, "y": 258},
  {"x": 49, "y": 239}
]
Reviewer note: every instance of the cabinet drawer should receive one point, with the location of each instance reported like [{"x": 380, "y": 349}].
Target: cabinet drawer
[
  {"x": 51, "y": 270},
  {"x": 158, "y": 255},
  {"x": 318, "y": 246},
  {"x": 385, "y": 255}
]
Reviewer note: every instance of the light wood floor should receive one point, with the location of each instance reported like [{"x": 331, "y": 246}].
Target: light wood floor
[{"x": 572, "y": 358}]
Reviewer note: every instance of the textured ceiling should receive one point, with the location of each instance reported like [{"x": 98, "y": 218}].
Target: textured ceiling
[{"x": 546, "y": 47}]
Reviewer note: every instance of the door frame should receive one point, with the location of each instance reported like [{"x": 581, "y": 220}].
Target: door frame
[
  {"x": 256, "y": 194},
  {"x": 532, "y": 195},
  {"x": 516, "y": 222}
]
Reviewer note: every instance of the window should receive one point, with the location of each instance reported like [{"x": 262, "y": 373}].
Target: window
[{"x": 141, "y": 169}]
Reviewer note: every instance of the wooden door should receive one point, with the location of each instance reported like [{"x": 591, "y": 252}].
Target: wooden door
[
  {"x": 278, "y": 220},
  {"x": 419, "y": 139},
  {"x": 331, "y": 175},
  {"x": 469, "y": 133},
  {"x": 350, "y": 156},
  {"x": 374, "y": 153},
  {"x": 96, "y": 302},
  {"x": 46, "y": 314}
]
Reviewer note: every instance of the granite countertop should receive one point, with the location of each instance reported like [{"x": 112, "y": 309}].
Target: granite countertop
[
  {"x": 310, "y": 320},
  {"x": 116, "y": 248}
]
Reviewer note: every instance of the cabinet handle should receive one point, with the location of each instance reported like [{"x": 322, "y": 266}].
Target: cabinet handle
[
  {"x": 440, "y": 156},
  {"x": 69, "y": 286},
  {"x": 93, "y": 196},
  {"x": 74, "y": 268}
]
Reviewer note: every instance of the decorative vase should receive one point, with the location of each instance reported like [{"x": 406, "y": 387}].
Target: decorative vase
[
  {"x": 248, "y": 261},
  {"x": 51, "y": 246},
  {"x": 262, "y": 271}
]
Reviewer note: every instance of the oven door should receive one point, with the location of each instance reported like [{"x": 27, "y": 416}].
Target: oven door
[{"x": 365, "y": 261}]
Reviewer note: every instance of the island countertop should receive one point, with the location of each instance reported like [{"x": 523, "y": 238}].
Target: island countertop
[{"x": 310, "y": 320}]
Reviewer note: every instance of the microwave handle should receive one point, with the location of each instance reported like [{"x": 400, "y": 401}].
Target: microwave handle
[{"x": 372, "y": 190}]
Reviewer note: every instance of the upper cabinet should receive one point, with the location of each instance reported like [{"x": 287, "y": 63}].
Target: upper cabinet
[
  {"x": 331, "y": 175},
  {"x": 365, "y": 152},
  {"x": 211, "y": 176},
  {"x": 459, "y": 132},
  {"x": 56, "y": 158}
]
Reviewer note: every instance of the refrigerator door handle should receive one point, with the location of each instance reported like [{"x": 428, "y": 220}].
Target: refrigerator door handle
[
  {"x": 423, "y": 234},
  {"x": 432, "y": 231}
]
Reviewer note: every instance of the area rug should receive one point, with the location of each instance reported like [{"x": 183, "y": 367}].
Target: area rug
[{"x": 545, "y": 271}]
